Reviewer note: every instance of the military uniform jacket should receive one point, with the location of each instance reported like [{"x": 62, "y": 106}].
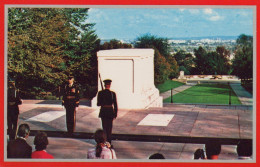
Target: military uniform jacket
[
  {"x": 13, "y": 101},
  {"x": 107, "y": 100},
  {"x": 71, "y": 94}
]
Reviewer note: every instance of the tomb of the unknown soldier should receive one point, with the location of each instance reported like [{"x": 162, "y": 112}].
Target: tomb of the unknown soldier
[{"x": 132, "y": 75}]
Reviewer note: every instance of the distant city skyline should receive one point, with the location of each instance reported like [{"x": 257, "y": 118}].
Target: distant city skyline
[{"x": 130, "y": 23}]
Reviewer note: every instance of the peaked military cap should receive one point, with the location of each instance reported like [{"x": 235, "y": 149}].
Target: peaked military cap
[
  {"x": 70, "y": 76},
  {"x": 107, "y": 81}
]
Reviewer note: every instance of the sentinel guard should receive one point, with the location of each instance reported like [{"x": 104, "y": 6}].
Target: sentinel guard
[
  {"x": 70, "y": 102},
  {"x": 108, "y": 111},
  {"x": 12, "y": 109}
]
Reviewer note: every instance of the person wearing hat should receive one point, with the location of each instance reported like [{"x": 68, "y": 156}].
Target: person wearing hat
[
  {"x": 108, "y": 111},
  {"x": 13, "y": 101},
  {"x": 70, "y": 102}
]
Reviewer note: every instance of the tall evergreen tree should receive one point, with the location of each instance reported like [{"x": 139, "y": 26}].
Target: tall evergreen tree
[{"x": 201, "y": 60}]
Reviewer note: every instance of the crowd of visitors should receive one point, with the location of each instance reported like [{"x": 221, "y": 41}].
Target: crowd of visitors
[{"x": 19, "y": 148}]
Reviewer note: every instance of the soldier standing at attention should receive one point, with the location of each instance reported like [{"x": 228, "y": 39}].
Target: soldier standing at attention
[
  {"x": 70, "y": 102},
  {"x": 12, "y": 109},
  {"x": 108, "y": 111}
]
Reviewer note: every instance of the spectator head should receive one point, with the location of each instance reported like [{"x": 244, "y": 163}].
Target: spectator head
[
  {"x": 199, "y": 154},
  {"x": 245, "y": 148},
  {"x": 156, "y": 156},
  {"x": 41, "y": 141},
  {"x": 100, "y": 138},
  {"x": 212, "y": 150},
  {"x": 23, "y": 130}
]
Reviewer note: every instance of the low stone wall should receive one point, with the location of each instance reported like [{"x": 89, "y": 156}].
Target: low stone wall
[{"x": 209, "y": 77}]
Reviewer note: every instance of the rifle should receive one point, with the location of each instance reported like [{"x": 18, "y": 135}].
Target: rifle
[{"x": 101, "y": 81}]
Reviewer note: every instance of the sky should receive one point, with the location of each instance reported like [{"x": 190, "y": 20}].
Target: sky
[{"x": 130, "y": 23}]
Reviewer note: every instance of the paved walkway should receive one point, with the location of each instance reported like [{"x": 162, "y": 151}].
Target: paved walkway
[
  {"x": 244, "y": 96},
  {"x": 167, "y": 94}
]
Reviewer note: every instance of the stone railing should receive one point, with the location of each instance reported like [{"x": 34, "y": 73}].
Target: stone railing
[{"x": 209, "y": 77}]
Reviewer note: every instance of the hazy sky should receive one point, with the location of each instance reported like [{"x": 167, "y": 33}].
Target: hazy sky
[{"x": 129, "y": 23}]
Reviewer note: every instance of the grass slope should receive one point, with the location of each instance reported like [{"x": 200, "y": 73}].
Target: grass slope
[
  {"x": 206, "y": 94},
  {"x": 168, "y": 85}
]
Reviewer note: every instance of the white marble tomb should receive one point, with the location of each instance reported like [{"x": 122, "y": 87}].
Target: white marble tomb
[{"x": 132, "y": 75}]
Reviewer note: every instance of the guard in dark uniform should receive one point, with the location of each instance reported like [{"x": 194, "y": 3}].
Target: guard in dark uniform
[
  {"x": 108, "y": 111},
  {"x": 12, "y": 109},
  {"x": 70, "y": 102}
]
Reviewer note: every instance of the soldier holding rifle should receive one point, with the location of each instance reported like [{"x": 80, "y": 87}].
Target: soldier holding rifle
[{"x": 108, "y": 111}]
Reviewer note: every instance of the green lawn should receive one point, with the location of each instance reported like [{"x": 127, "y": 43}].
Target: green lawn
[
  {"x": 168, "y": 85},
  {"x": 206, "y": 94}
]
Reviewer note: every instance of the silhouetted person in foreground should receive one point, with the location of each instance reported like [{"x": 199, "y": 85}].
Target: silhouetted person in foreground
[
  {"x": 245, "y": 150},
  {"x": 199, "y": 154},
  {"x": 156, "y": 156},
  {"x": 19, "y": 148},
  {"x": 41, "y": 142},
  {"x": 212, "y": 149}
]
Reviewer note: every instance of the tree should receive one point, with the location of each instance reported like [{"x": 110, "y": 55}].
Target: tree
[
  {"x": 165, "y": 65},
  {"x": 212, "y": 63},
  {"x": 114, "y": 44},
  {"x": 223, "y": 65},
  {"x": 200, "y": 60},
  {"x": 243, "y": 60},
  {"x": 185, "y": 61},
  {"x": 151, "y": 41},
  {"x": 174, "y": 67},
  {"x": 46, "y": 44},
  {"x": 81, "y": 48},
  {"x": 34, "y": 50},
  {"x": 162, "y": 68}
]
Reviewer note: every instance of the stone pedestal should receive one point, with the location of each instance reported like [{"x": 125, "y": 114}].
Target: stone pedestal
[
  {"x": 132, "y": 75},
  {"x": 181, "y": 75}
]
